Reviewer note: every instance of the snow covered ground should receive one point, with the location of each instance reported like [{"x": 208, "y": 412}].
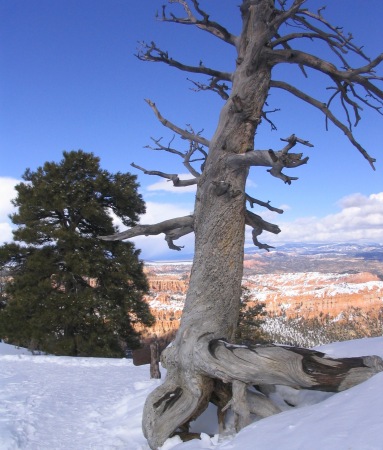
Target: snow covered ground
[{"x": 63, "y": 403}]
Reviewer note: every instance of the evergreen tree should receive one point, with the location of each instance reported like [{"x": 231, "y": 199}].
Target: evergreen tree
[
  {"x": 249, "y": 329},
  {"x": 70, "y": 292}
]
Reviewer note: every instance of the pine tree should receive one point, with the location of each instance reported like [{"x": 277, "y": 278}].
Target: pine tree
[
  {"x": 71, "y": 293},
  {"x": 250, "y": 320}
]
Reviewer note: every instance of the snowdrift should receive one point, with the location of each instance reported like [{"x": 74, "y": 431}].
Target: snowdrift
[{"x": 64, "y": 403}]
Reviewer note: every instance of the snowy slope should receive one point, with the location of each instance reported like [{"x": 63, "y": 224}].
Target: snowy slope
[{"x": 57, "y": 403}]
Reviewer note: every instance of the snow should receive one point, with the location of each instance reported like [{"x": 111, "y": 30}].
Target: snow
[
  {"x": 57, "y": 403},
  {"x": 315, "y": 284}
]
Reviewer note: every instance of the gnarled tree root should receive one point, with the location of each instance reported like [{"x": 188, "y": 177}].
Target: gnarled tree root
[{"x": 186, "y": 392}]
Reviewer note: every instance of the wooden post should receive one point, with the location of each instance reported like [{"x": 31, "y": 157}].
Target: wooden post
[{"x": 155, "y": 359}]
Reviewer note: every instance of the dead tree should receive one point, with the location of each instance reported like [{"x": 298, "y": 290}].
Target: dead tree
[{"x": 201, "y": 357}]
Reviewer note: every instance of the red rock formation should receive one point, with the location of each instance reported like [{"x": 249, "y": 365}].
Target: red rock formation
[
  {"x": 313, "y": 294},
  {"x": 166, "y": 301},
  {"x": 292, "y": 294}
]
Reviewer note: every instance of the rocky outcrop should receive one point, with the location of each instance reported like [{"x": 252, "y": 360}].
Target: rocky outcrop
[
  {"x": 167, "y": 285},
  {"x": 315, "y": 294},
  {"x": 166, "y": 300},
  {"x": 307, "y": 295}
]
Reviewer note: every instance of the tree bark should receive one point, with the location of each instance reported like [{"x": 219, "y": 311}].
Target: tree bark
[{"x": 201, "y": 354}]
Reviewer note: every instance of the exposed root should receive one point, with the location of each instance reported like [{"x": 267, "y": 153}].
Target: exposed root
[{"x": 224, "y": 374}]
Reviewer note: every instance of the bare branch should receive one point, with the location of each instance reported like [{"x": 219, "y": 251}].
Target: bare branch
[
  {"x": 264, "y": 116},
  {"x": 276, "y": 160},
  {"x": 170, "y": 176},
  {"x": 329, "y": 115},
  {"x": 183, "y": 133},
  {"x": 345, "y": 100},
  {"x": 283, "y": 40},
  {"x": 318, "y": 64},
  {"x": 259, "y": 225},
  {"x": 256, "y": 221},
  {"x": 334, "y": 34},
  {"x": 204, "y": 24},
  {"x": 175, "y": 234},
  {"x": 194, "y": 147},
  {"x": 267, "y": 205},
  {"x": 285, "y": 15},
  {"x": 172, "y": 228},
  {"x": 162, "y": 147},
  {"x": 186, "y": 156},
  {"x": 152, "y": 53},
  {"x": 214, "y": 86}
]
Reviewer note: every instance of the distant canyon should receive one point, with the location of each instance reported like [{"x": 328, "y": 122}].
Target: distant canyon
[{"x": 297, "y": 282}]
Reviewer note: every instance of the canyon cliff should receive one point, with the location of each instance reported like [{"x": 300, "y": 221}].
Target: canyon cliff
[{"x": 291, "y": 295}]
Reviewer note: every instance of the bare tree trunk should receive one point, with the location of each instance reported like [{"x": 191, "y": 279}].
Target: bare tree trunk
[
  {"x": 200, "y": 352},
  {"x": 201, "y": 364}
]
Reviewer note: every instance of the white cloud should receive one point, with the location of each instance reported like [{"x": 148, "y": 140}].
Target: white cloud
[
  {"x": 251, "y": 184},
  {"x": 360, "y": 218},
  {"x": 167, "y": 185},
  {"x": 8, "y": 193},
  {"x": 157, "y": 212},
  {"x": 156, "y": 248},
  {"x": 5, "y": 232}
]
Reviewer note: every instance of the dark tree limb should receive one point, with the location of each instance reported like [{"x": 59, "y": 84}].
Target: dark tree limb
[
  {"x": 265, "y": 117},
  {"x": 333, "y": 36},
  {"x": 187, "y": 159}
]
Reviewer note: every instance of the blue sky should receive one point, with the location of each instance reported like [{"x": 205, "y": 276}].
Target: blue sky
[{"x": 69, "y": 80}]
